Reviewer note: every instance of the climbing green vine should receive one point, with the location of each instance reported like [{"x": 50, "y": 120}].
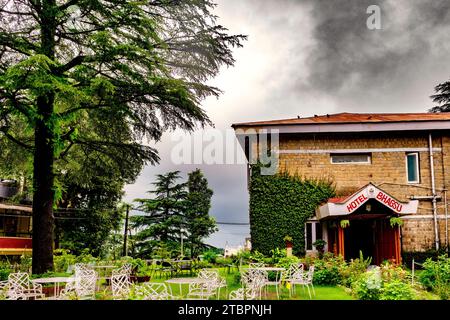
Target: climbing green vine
[{"x": 280, "y": 205}]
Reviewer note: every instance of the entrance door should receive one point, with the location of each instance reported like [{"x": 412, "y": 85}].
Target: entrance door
[
  {"x": 374, "y": 238},
  {"x": 360, "y": 236}
]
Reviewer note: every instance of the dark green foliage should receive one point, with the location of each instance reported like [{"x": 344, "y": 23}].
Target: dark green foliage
[
  {"x": 163, "y": 217},
  {"x": 442, "y": 97},
  {"x": 368, "y": 286},
  {"x": 436, "y": 276},
  {"x": 280, "y": 205},
  {"x": 210, "y": 256},
  {"x": 5, "y": 270},
  {"x": 327, "y": 276},
  {"x": 396, "y": 290},
  {"x": 177, "y": 210},
  {"x": 421, "y": 256},
  {"x": 199, "y": 224},
  {"x": 100, "y": 78}
]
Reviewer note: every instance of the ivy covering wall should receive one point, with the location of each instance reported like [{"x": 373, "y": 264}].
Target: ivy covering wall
[{"x": 280, "y": 205}]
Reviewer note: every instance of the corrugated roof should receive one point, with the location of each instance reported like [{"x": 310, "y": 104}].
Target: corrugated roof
[{"x": 346, "y": 117}]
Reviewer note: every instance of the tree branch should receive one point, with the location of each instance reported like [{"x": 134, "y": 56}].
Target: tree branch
[{"x": 12, "y": 139}]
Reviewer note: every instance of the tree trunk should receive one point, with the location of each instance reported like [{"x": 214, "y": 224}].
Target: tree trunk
[
  {"x": 43, "y": 176},
  {"x": 43, "y": 219}
]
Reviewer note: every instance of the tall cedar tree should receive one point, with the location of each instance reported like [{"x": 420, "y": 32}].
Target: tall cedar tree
[
  {"x": 143, "y": 62},
  {"x": 199, "y": 224},
  {"x": 164, "y": 218},
  {"x": 442, "y": 97}
]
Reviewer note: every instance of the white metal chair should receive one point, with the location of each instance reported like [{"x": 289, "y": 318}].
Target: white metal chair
[
  {"x": 243, "y": 294},
  {"x": 202, "y": 290},
  {"x": 120, "y": 284},
  {"x": 254, "y": 279},
  {"x": 20, "y": 287},
  {"x": 127, "y": 268},
  {"x": 217, "y": 281},
  {"x": 305, "y": 279},
  {"x": 276, "y": 283},
  {"x": 82, "y": 286},
  {"x": 153, "y": 291}
]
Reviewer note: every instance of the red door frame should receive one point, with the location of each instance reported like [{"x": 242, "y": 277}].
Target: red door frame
[{"x": 397, "y": 244}]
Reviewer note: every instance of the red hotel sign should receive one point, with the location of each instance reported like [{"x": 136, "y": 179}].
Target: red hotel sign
[
  {"x": 391, "y": 203},
  {"x": 350, "y": 204},
  {"x": 355, "y": 204},
  {"x": 381, "y": 197}
]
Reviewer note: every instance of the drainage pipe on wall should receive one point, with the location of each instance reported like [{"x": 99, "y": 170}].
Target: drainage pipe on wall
[
  {"x": 446, "y": 219},
  {"x": 433, "y": 190}
]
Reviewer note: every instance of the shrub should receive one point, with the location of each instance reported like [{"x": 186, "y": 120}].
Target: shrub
[
  {"x": 286, "y": 262},
  {"x": 396, "y": 290},
  {"x": 421, "y": 257},
  {"x": 25, "y": 263},
  {"x": 277, "y": 254},
  {"x": 5, "y": 270},
  {"x": 257, "y": 256},
  {"x": 354, "y": 269},
  {"x": 327, "y": 276},
  {"x": 368, "y": 285},
  {"x": 86, "y": 257},
  {"x": 210, "y": 256},
  {"x": 62, "y": 259},
  {"x": 328, "y": 269},
  {"x": 436, "y": 276},
  {"x": 224, "y": 261},
  {"x": 391, "y": 272},
  {"x": 243, "y": 256}
]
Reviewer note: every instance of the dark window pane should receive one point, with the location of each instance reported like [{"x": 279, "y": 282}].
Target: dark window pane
[
  {"x": 309, "y": 236},
  {"x": 412, "y": 167},
  {"x": 318, "y": 231},
  {"x": 247, "y": 147},
  {"x": 350, "y": 158}
]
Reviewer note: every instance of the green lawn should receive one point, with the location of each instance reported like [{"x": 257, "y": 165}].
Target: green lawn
[{"x": 322, "y": 292}]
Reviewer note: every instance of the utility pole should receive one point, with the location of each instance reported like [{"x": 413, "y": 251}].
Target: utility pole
[{"x": 125, "y": 234}]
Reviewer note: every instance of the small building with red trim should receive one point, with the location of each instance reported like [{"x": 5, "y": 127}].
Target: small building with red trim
[
  {"x": 15, "y": 229},
  {"x": 391, "y": 173}
]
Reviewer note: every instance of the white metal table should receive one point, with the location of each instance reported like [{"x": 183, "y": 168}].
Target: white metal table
[{"x": 55, "y": 280}]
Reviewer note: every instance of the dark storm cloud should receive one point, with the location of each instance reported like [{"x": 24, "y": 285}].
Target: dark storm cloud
[
  {"x": 349, "y": 56},
  {"x": 314, "y": 56}
]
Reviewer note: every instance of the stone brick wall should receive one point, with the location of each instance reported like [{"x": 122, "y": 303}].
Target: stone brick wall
[{"x": 308, "y": 155}]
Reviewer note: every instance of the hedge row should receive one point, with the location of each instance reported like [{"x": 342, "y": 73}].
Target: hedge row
[{"x": 280, "y": 205}]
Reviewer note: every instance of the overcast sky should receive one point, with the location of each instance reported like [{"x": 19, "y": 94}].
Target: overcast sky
[{"x": 306, "y": 57}]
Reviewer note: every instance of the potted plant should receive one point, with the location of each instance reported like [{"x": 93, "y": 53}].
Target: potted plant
[
  {"x": 289, "y": 245},
  {"x": 288, "y": 240},
  {"x": 344, "y": 223},
  {"x": 320, "y": 245}
]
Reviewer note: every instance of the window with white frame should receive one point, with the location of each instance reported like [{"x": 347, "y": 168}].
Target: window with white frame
[
  {"x": 412, "y": 167},
  {"x": 350, "y": 158},
  {"x": 313, "y": 232}
]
